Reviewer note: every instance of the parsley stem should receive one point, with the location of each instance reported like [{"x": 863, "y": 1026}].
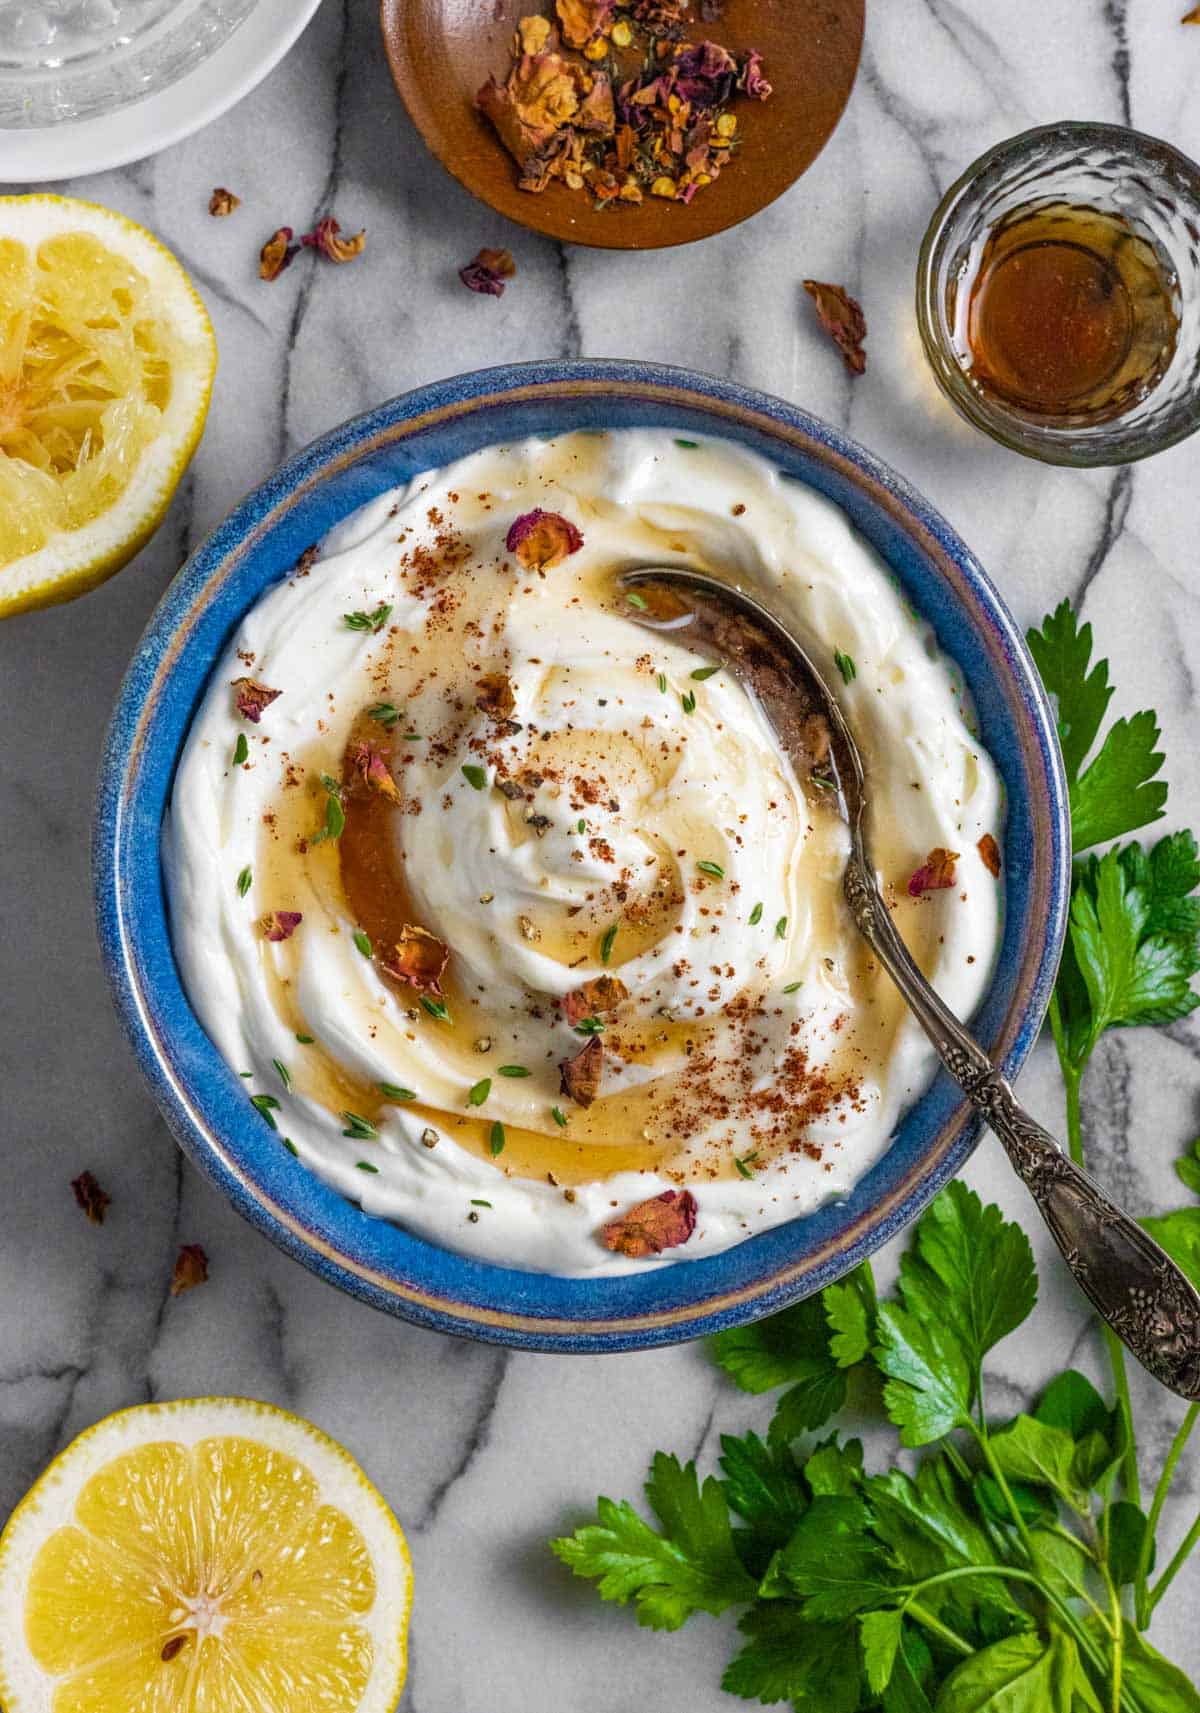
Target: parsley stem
[
  {"x": 935, "y": 1627},
  {"x": 997, "y": 1474},
  {"x": 1178, "y": 1445},
  {"x": 1151, "y": 1597},
  {"x": 1118, "y": 1639}
]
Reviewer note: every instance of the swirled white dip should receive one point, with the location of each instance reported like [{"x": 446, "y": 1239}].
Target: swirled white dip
[{"x": 633, "y": 815}]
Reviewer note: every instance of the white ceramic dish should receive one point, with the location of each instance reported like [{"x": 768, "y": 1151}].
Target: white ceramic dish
[{"x": 131, "y": 133}]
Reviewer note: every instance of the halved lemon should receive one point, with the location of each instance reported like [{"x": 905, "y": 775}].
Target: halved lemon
[
  {"x": 107, "y": 359},
  {"x": 209, "y": 1556}
]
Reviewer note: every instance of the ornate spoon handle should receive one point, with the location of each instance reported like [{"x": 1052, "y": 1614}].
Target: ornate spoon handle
[{"x": 1133, "y": 1283}]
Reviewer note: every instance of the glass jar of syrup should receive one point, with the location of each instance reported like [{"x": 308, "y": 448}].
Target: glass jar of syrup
[{"x": 1059, "y": 294}]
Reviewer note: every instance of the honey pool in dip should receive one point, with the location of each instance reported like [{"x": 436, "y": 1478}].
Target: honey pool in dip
[{"x": 486, "y": 825}]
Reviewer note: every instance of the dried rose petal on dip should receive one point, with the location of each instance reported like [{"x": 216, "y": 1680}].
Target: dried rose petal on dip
[
  {"x": 418, "y": 958},
  {"x": 554, "y": 914},
  {"x": 251, "y": 698},
  {"x": 488, "y": 272},
  {"x": 541, "y": 539},
  {"x": 280, "y": 925},
  {"x": 935, "y": 874},
  {"x": 663, "y": 1222},
  {"x": 842, "y": 318},
  {"x": 580, "y": 1075},
  {"x": 989, "y": 852}
]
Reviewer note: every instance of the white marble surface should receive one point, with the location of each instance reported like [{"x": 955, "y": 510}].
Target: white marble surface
[{"x": 484, "y": 1454}]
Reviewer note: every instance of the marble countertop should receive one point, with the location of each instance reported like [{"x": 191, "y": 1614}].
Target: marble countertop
[{"x": 482, "y": 1453}]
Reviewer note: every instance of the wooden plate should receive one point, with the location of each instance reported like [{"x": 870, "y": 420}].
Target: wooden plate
[{"x": 441, "y": 51}]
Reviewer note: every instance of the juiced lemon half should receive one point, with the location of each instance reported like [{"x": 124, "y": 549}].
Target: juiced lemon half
[
  {"x": 210, "y": 1556},
  {"x": 107, "y": 359}
]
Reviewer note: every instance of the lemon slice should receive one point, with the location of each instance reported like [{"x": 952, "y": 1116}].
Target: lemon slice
[
  {"x": 210, "y": 1556},
  {"x": 107, "y": 359}
]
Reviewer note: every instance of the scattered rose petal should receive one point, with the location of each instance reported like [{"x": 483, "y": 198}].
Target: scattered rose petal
[
  {"x": 419, "y": 958},
  {"x": 663, "y": 1222},
  {"x": 579, "y": 1077},
  {"x": 92, "y": 1199},
  {"x": 1193, "y": 16},
  {"x": 191, "y": 1269},
  {"x": 364, "y": 762},
  {"x": 594, "y": 999},
  {"x": 250, "y": 698},
  {"x": 582, "y": 20},
  {"x": 598, "y": 112},
  {"x": 705, "y": 74},
  {"x": 222, "y": 202},
  {"x": 842, "y": 318},
  {"x": 280, "y": 925},
  {"x": 277, "y": 254},
  {"x": 751, "y": 79},
  {"x": 542, "y": 539},
  {"x": 989, "y": 851},
  {"x": 488, "y": 272},
  {"x": 495, "y": 696},
  {"x": 936, "y": 873},
  {"x": 533, "y": 33},
  {"x": 326, "y": 237}
]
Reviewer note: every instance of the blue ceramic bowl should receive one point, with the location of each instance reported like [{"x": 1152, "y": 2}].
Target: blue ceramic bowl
[{"x": 204, "y": 1102}]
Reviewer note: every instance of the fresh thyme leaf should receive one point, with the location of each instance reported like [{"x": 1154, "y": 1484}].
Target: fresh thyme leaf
[
  {"x": 363, "y": 942},
  {"x": 607, "y": 941},
  {"x": 241, "y": 750},
  {"x": 435, "y": 1007},
  {"x": 559, "y": 1117},
  {"x": 335, "y": 816},
  {"x": 289, "y": 1145},
  {"x": 496, "y": 1139},
  {"x": 711, "y": 868},
  {"x": 845, "y": 666},
  {"x": 688, "y": 701},
  {"x": 781, "y": 928},
  {"x": 744, "y": 1164},
  {"x": 638, "y": 601},
  {"x": 662, "y": 682},
  {"x": 793, "y": 987},
  {"x": 360, "y": 1128},
  {"x": 477, "y": 1203},
  {"x": 703, "y": 672},
  {"x": 385, "y": 713},
  {"x": 589, "y": 1026},
  {"x": 306, "y": 1040},
  {"x": 369, "y": 621},
  {"x": 365, "y": 1166},
  {"x": 581, "y": 825},
  {"x": 476, "y": 776},
  {"x": 690, "y": 445},
  {"x": 514, "y": 1071},
  {"x": 245, "y": 881},
  {"x": 478, "y": 1092},
  {"x": 756, "y": 915},
  {"x": 691, "y": 1566},
  {"x": 392, "y": 1091},
  {"x": 267, "y": 1106},
  {"x": 285, "y": 1076}
]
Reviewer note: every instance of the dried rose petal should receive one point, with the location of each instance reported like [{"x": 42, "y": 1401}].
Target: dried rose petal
[
  {"x": 92, "y": 1199},
  {"x": 364, "y": 762},
  {"x": 251, "y": 698},
  {"x": 419, "y": 958},
  {"x": 495, "y": 697},
  {"x": 542, "y": 539},
  {"x": 842, "y": 318},
  {"x": 579, "y": 1077},
  {"x": 326, "y": 237},
  {"x": 191, "y": 1269},
  {"x": 936, "y": 873},
  {"x": 705, "y": 74},
  {"x": 989, "y": 851},
  {"x": 582, "y": 20},
  {"x": 594, "y": 999},
  {"x": 751, "y": 79},
  {"x": 488, "y": 272},
  {"x": 597, "y": 112},
  {"x": 663, "y": 1222},
  {"x": 277, "y": 254},
  {"x": 278, "y": 925},
  {"x": 222, "y": 202},
  {"x": 1193, "y": 17},
  {"x": 532, "y": 33}
]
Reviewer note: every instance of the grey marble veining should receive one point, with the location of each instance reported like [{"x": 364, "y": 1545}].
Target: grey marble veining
[{"x": 485, "y": 1454}]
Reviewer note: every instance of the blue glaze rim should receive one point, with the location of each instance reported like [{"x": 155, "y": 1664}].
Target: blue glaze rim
[{"x": 205, "y": 1104}]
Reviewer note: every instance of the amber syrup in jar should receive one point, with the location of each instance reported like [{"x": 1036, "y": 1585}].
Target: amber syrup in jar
[{"x": 1066, "y": 312}]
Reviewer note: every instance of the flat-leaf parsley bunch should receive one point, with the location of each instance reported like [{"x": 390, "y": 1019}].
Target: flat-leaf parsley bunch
[{"x": 1009, "y": 1566}]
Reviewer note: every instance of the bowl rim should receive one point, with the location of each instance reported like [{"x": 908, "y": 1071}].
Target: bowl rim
[{"x": 122, "y": 935}]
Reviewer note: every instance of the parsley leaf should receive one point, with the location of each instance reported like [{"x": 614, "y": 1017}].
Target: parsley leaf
[
  {"x": 880, "y": 1632},
  {"x": 789, "y": 1348},
  {"x": 762, "y": 1486},
  {"x": 1118, "y": 791},
  {"x": 691, "y": 1566},
  {"x": 1179, "y": 1231},
  {"x": 786, "y": 1659},
  {"x": 832, "y": 1563}
]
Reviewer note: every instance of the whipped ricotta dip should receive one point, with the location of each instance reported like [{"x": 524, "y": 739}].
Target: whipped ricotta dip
[{"x": 513, "y": 914}]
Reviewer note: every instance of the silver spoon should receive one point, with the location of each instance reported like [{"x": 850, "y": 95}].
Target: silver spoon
[{"x": 1132, "y": 1282}]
